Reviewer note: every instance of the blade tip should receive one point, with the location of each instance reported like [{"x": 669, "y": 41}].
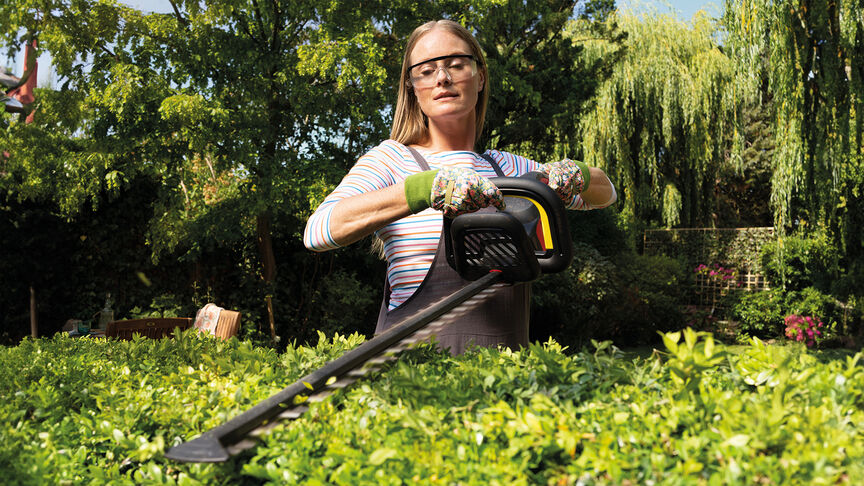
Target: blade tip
[{"x": 202, "y": 449}]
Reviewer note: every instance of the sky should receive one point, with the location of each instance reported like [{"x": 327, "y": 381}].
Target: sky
[{"x": 683, "y": 8}]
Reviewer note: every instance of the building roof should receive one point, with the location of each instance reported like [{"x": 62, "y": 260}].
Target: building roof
[{"x": 7, "y": 79}]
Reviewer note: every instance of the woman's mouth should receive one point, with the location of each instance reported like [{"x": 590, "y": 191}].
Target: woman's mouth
[{"x": 445, "y": 96}]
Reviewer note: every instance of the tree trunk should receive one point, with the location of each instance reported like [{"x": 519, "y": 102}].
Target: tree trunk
[
  {"x": 34, "y": 325},
  {"x": 268, "y": 264}
]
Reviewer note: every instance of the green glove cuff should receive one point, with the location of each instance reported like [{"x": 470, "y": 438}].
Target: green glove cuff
[
  {"x": 586, "y": 174},
  {"x": 418, "y": 190}
]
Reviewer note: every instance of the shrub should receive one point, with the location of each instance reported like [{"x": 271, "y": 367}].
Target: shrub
[
  {"x": 628, "y": 299},
  {"x": 571, "y": 305},
  {"x": 849, "y": 285},
  {"x": 760, "y": 314},
  {"x": 797, "y": 262},
  {"x": 719, "y": 275},
  {"x": 764, "y": 314},
  {"x": 811, "y": 302},
  {"x": 655, "y": 284},
  {"x": 804, "y": 329},
  {"x": 91, "y": 411}
]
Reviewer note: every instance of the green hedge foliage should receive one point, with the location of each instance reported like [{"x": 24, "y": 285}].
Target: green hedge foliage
[{"x": 91, "y": 411}]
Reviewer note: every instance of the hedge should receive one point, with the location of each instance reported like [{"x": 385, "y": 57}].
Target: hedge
[{"x": 91, "y": 411}]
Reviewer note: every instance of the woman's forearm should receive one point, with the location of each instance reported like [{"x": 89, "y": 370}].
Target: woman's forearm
[
  {"x": 358, "y": 216},
  {"x": 600, "y": 192}
]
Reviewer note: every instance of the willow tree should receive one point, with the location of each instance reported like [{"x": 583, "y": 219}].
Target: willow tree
[
  {"x": 812, "y": 54},
  {"x": 661, "y": 122}
]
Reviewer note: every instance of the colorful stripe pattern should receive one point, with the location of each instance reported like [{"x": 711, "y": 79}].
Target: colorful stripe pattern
[{"x": 410, "y": 243}]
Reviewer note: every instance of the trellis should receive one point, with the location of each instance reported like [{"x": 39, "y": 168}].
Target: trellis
[{"x": 734, "y": 250}]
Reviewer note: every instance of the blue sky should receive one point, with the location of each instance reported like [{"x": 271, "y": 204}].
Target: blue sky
[{"x": 683, "y": 8}]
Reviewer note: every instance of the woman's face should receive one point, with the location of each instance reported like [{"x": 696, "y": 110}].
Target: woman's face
[{"x": 447, "y": 99}]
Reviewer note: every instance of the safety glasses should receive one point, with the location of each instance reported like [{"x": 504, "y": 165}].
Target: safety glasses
[{"x": 457, "y": 68}]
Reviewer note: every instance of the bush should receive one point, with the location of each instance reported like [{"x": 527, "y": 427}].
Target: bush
[
  {"x": 628, "y": 299},
  {"x": 571, "y": 305},
  {"x": 91, "y": 411},
  {"x": 812, "y": 302},
  {"x": 763, "y": 314},
  {"x": 850, "y": 284},
  {"x": 655, "y": 284},
  {"x": 804, "y": 329},
  {"x": 797, "y": 262},
  {"x": 760, "y": 314}
]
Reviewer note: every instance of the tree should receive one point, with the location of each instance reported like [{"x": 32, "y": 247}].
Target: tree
[
  {"x": 661, "y": 122},
  {"x": 743, "y": 190},
  {"x": 540, "y": 80},
  {"x": 219, "y": 103},
  {"x": 815, "y": 72}
]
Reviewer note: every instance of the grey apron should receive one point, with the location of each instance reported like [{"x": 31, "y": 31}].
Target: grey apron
[{"x": 500, "y": 320}]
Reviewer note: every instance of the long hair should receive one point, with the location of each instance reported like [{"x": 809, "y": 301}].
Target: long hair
[{"x": 409, "y": 122}]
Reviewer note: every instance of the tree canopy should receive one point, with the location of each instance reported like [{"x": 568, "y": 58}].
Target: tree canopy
[
  {"x": 661, "y": 120},
  {"x": 812, "y": 54}
]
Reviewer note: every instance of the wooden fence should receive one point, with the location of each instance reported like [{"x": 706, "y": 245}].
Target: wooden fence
[{"x": 722, "y": 259}]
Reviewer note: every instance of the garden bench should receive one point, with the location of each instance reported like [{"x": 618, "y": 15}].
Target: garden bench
[{"x": 227, "y": 326}]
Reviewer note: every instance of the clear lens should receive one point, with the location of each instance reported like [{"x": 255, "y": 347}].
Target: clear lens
[{"x": 456, "y": 69}]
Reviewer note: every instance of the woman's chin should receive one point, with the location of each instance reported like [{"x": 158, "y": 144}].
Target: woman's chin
[{"x": 449, "y": 112}]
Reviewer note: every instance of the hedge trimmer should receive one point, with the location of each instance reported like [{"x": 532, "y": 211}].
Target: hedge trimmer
[{"x": 531, "y": 236}]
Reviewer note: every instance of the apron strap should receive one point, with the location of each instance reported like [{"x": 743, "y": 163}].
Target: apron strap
[
  {"x": 495, "y": 166},
  {"x": 419, "y": 158},
  {"x": 425, "y": 166}
]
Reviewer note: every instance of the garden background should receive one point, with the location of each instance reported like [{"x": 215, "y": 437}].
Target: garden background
[{"x": 176, "y": 157}]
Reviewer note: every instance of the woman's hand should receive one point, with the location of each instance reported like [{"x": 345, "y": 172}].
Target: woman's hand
[
  {"x": 567, "y": 178},
  {"x": 456, "y": 191},
  {"x": 451, "y": 190}
]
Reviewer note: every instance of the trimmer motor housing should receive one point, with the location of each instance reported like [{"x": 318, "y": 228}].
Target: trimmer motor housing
[{"x": 529, "y": 237}]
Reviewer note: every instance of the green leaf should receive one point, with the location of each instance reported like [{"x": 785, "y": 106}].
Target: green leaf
[{"x": 380, "y": 455}]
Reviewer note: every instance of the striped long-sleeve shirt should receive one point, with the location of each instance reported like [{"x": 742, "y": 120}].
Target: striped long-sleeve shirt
[{"x": 410, "y": 243}]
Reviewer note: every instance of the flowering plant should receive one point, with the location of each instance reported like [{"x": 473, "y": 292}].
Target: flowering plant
[
  {"x": 728, "y": 276},
  {"x": 804, "y": 328}
]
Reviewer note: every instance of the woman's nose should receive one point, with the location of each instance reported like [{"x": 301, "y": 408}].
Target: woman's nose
[{"x": 447, "y": 79}]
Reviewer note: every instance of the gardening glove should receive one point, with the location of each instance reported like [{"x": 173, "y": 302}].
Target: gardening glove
[
  {"x": 567, "y": 178},
  {"x": 452, "y": 190}
]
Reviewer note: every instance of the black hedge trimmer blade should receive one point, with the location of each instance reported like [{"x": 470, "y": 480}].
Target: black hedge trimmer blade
[{"x": 239, "y": 433}]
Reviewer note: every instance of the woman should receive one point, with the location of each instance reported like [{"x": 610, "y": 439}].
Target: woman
[{"x": 400, "y": 189}]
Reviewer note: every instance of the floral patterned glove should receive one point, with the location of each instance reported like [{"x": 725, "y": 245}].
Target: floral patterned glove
[
  {"x": 456, "y": 191},
  {"x": 567, "y": 178}
]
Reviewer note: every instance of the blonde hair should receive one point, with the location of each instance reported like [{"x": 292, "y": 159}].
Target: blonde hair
[{"x": 409, "y": 122}]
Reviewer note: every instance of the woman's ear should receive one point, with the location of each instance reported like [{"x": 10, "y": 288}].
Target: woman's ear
[{"x": 482, "y": 81}]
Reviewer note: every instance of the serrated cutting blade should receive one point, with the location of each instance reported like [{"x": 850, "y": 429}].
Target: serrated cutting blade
[{"x": 219, "y": 443}]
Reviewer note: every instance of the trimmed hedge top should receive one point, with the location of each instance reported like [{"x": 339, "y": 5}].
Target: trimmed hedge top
[{"x": 91, "y": 411}]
